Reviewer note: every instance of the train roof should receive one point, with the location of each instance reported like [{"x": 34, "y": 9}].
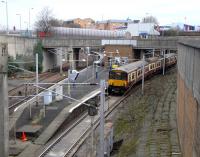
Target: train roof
[
  {"x": 131, "y": 67},
  {"x": 152, "y": 59},
  {"x": 170, "y": 55}
]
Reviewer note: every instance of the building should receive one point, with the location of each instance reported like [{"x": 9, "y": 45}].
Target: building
[
  {"x": 178, "y": 26},
  {"x": 188, "y": 27},
  {"x": 142, "y": 29},
  {"x": 83, "y": 23},
  {"x": 111, "y": 24},
  {"x": 188, "y": 97}
]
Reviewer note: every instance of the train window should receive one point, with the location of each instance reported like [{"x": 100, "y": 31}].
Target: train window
[
  {"x": 129, "y": 77},
  {"x": 117, "y": 75},
  {"x": 139, "y": 72},
  {"x": 150, "y": 66},
  {"x": 133, "y": 76},
  {"x": 158, "y": 64}
]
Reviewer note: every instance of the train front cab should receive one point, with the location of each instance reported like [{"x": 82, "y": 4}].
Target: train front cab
[{"x": 117, "y": 82}]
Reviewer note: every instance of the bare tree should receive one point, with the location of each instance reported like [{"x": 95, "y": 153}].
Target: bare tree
[
  {"x": 150, "y": 19},
  {"x": 45, "y": 18}
]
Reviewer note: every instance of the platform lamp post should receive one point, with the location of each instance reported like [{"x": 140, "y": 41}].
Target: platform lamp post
[
  {"x": 143, "y": 73},
  {"x": 37, "y": 78},
  {"x": 6, "y": 2},
  {"x": 87, "y": 64},
  {"x": 163, "y": 62},
  {"x": 26, "y": 25},
  {"x": 29, "y": 18},
  {"x": 20, "y": 24},
  {"x": 102, "y": 120}
]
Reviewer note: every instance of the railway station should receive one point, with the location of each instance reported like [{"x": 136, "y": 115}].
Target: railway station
[{"x": 104, "y": 88}]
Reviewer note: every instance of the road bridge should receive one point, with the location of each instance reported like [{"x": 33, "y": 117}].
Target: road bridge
[
  {"x": 24, "y": 45},
  {"x": 19, "y": 45}
]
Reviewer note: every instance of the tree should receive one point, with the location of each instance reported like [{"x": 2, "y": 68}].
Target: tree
[
  {"x": 38, "y": 49},
  {"x": 150, "y": 19},
  {"x": 44, "y": 20}
]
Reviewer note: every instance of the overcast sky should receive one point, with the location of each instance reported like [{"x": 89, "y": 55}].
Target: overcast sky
[{"x": 166, "y": 11}]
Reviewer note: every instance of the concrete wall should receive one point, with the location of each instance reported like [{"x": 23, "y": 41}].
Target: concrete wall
[
  {"x": 19, "y": 45},
  {"x": 157, "y": 43},
  {"x": 76, "y": 43},
  {"x": 188, "y": 109}
]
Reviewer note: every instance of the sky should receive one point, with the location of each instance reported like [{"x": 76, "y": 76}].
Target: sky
[{"x": 166, "y": 11}]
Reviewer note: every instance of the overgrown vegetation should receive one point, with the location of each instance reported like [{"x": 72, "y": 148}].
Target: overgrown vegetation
[
  {"x": 38, "y": 49},
  {"x": 144, "y": 123},
  {"x": 128, "y": 124},
  {"x": 11, "y": 67}
]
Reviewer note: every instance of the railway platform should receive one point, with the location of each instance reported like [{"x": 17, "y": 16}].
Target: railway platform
[
  {"x": 56, "y": 114},
  {"x": 35, "y": 148}
]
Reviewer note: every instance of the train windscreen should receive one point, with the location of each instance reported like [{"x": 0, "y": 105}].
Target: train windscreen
[{"x": 117, "y": 75}]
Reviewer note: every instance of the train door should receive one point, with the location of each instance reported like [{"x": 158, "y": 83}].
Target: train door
[
  {"x": 154, "y": 66},
  {"x": 146, "y": 69},
  {"x": 150, "y": 67},
  {"x": 158, "y": 64},
  {"x": 129, "y": 78}
]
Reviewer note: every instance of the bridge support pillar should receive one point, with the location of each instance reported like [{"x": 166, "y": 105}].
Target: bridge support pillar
[
  {"x": 77, "y": 57},
  {"x": 49, "y": 59},
  {"x": 141, "y": 53}
]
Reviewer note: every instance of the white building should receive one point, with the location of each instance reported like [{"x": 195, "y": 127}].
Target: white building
[{"x": 142, "y": 29}]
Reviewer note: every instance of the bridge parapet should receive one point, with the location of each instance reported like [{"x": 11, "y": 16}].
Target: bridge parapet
[
  {"x": 157, "y": 43},
  {"x": 51, "y": 43}
]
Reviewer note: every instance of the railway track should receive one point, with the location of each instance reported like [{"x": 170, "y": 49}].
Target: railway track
[
  {"x": 27, "y": 91},
  {"x": 73, "y": 148},
  {"x": 57, "y": 140}
]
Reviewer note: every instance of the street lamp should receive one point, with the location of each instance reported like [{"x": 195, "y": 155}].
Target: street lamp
[
  {"x": 20, "y": 26},
  {"x": 29, "y": 18},
  {"x": 6, "y": 14},
  {"x": 26, "y": 24}
]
